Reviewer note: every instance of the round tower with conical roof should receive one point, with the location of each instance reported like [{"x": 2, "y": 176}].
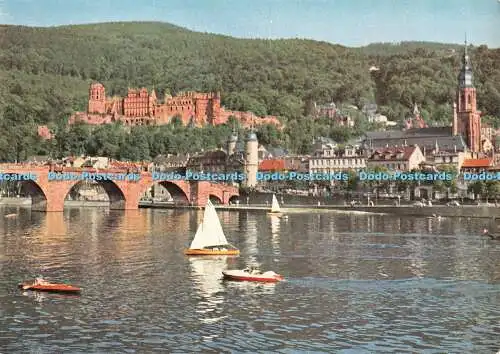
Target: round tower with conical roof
[{"x": 251, "y": 159}]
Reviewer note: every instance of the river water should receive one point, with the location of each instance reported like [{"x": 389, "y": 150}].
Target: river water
[{"x": 356, "y": 283}]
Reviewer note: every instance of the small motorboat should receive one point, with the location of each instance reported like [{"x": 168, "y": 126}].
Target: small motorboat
[
  {"x": 493, "y": 236},
  {"x": 42, "y": 285},
  {"x": 13, "y": 215},
  {"x": 250, "y": 274}
]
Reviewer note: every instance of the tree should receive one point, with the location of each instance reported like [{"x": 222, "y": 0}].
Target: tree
[
  {"x": 19, "y": 136},
  {"x": 352, "y": 182},
  {"x": 450, "y": 184},
  {"x": 478, "y": 188},
  {"x": 492, "y": 189}
]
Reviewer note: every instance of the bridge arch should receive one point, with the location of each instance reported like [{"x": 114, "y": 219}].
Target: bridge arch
[
  {"x": 114, "y": 193},
  {"x": 30, "y": 188},
  {"x": 177, "y": 191},
  {"x": 215, "y": 199}
]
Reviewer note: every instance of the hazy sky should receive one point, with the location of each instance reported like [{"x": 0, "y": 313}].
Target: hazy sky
[{"x": 347, "y": 22}]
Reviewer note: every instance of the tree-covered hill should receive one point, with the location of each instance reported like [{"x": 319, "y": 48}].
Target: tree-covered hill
[
  {"x": 45, "y": 72},
  {"x": 388, "y": 49}
]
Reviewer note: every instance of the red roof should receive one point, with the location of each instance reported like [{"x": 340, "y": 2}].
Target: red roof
[
  {"x": 272, "y": 165},
  {"x": 476, "y": 163},
  {"x": 402, "y": 153}
]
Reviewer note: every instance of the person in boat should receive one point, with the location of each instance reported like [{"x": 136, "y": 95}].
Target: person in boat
[
  {"x": 217, "y": 248},
  {"x": 40, "y": 281},
  {"x": 251, "y": 270}
]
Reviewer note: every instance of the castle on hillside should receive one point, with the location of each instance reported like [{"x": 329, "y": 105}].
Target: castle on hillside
[{"x": 141, "y": 107}]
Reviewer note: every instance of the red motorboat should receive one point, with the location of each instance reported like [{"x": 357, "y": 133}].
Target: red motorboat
[
  {"x": 249, "y": 274},
  {"x": 42, "y": 285}
]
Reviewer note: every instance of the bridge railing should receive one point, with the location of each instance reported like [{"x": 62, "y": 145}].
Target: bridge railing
[
  {"x": 91, "y": 170},
  {"x": 23, "y": 166}
]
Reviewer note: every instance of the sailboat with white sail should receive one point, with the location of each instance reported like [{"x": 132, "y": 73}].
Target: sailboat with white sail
[
  {"x": 209, "y": 238},
  {"x": 275, "y": 206}
]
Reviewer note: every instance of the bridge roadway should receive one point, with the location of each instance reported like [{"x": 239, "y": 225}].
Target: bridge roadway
[{"x": 49, "y": 195}]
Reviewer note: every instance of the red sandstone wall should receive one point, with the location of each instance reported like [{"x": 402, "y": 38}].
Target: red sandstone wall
[
  {"x": 138, "y": 103},
  {"x": 97, "y": 99},
  {"x": 44, "y": 132}
]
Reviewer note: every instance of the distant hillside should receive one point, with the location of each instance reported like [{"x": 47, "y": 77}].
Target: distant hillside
[
  {"x": 405, "y": 47},
  {"x": 47, "y": 70}
]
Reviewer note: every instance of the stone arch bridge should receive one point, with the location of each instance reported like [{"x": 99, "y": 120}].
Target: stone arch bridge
[{"x": 49, "y": 194}]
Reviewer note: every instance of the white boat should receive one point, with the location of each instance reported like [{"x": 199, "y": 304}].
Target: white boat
[
  {"x": 209, "y": 238},
  {"x": 275, "y": 207},
  {"x": 249, "y": 274}
]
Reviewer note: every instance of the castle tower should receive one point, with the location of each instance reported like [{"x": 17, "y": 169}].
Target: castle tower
[
  {"x": 231, "y": 144},
  {"x": 468, "y": 118},
  {"x": 251, "y": 160},
  {"x": 200, "y": 110},
  {"x": 152, "y": 104},
  {"x": 97, "y": 99},
  {"x": 215, "y": 109}
]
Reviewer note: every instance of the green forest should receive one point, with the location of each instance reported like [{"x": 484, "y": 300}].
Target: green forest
[{"x": 45, "y": 74}]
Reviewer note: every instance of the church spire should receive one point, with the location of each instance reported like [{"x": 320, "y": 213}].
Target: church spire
[
  {"x": 465, "y": 76},
  {"x": 466, "y": 60},
  {"x": 465, "y": 43}
]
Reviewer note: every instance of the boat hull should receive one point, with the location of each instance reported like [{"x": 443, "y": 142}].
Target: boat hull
[
  {"x": 210, "y": 252},
  {"x": 275, "y": 213},
  {"x": 51, "y": 288},
  {"x": 253, "y": 277}
]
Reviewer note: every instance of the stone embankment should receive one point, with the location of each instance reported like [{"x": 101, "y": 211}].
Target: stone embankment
[
  {"x": 476, "y": 211},
  {"x": 404, "y": 210}
]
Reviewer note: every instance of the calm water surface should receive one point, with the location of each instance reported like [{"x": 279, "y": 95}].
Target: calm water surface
[{"x": 356, "y": 283}]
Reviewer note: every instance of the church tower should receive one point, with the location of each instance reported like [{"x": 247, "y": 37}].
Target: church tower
[{"x": 468, "y": 119}]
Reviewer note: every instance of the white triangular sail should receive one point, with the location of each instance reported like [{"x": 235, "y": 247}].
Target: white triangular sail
[
  {"x": 275, "y": 207},
  {"x": 210, "y": 232}
]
